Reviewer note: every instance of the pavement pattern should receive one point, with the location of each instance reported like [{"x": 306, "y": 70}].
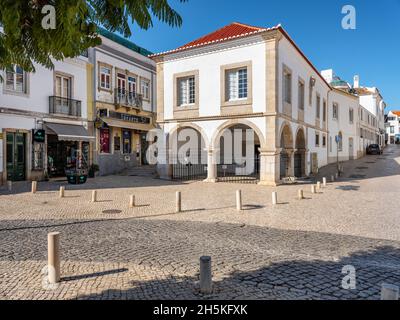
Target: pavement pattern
[{"x": 295, "y": 250}]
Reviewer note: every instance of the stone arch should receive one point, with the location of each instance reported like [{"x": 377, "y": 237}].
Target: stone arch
[
  {"x": 189, "y": 125},
  {"x": 286, "y": 162},
  {"x": 300, "y": 153},
  {"x": 286, "y": 136},
  {"x": 300, "y": 142},
  {"x": 230, "y": 123}
]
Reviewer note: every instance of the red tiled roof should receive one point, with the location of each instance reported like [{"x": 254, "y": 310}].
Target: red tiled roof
[
  {"x": 232, "y": 31},
  {"x": 397, "y": 113}
]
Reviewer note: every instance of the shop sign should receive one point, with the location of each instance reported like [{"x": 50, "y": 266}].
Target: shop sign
[{"x": 39, "y": 135}]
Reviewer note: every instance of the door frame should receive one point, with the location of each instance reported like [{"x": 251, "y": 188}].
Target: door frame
[{"x": 28, "y": 158}]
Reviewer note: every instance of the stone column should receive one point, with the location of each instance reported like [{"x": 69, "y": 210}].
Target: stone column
[
  {"x": 211, "y": 166},
  {"x": 164, "y": 169},
  {"x": 269, "y": 167},
  {"x": 307, "y": 162}
]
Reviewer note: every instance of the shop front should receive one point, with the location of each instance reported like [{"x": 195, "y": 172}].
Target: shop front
[
  {"x": 122, "y": 141},
  {"x": 68, "y": 151}
]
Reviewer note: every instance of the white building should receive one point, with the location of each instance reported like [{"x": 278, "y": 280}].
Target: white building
[
  {"x": 122, "y": 97},
  {"x": 43, "y": 120},
  {"x": 247, "y": 77},
  {"x": 392, "y": 124}
]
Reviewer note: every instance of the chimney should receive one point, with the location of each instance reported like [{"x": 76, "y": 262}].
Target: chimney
[{"x": 356, "y": 82}]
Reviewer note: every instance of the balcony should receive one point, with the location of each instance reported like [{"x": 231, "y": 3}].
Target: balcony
[
  {"x": 65, "y": 106},
  {"x": 127, "y": 99}
]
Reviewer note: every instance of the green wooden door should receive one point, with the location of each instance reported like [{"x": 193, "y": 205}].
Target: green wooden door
[{"x": 16, "y": 160}]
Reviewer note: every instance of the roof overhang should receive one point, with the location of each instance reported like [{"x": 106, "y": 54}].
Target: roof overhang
[{"x": 69, "y": 132}]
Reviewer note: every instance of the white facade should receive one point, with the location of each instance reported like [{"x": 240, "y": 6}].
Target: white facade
[
  {"x": 32, "y": 106},
  {"x": 393, "y": 127}
]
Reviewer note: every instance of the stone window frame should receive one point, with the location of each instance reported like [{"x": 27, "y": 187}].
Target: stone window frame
[
  {"x": 140, "y": 79},
  {"x": 317, "y": 106},
  {"x": 317, "y": 141},
  {"x": 109, "y": 66},
  {"x": 244, "y": 105},
  {"x": 351, "y": 115},
  {"x": 324, "y": 110},
  {"x": 287, "y": 70},
  {"x": 71, "y": 84},
  {"x": 24, "y": 94},
  {"x": 335, "y": 104},
  {"x": 324, "y": 140},
  {"x": 301, "y": 81},
  {"x": 186, "y": 111}
]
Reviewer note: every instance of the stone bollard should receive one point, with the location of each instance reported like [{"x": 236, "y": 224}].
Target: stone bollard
[
  {"x": 205, "y": 275},
  {"x": 300, "y": 194},
  {"x": 62, "y": 192},
  {"x": 132, "y": 201},
  {"x": 333, "y": 178},
  {"x": 34, "y": 186},
  {"x": 178, "y": 202},
  {"x": 336, "y": 175},
  {"x": 53, "y": 251},
  {"x": 324, "y": 182},
  {"x": 318, "y": 186},
  {"x": 9, "y": 185},
  {"x": 274, "y": 198},
  {"x": 313, "y": 189},
  {"x": 389, "y": 292},
  {"x": 94, "y": 196},
  {"x": 239, "y": 200}
]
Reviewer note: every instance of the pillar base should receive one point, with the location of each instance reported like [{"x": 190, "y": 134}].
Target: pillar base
[
  {"x": 269, "y": 183},
  {"x": 210, "y": 180}
]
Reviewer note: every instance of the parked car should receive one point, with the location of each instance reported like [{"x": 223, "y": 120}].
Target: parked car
[{"x": 374, "y": 149}]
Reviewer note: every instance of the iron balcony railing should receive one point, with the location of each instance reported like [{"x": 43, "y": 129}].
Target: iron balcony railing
[
  {"x": 128, "y": 99},
  {"x": 65, "y": 106}
]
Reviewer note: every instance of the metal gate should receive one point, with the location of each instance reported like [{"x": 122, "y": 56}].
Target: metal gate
[
  {"x": 239, "y": 173},
  {"x": 189, "y": 172},
  {"x": 298, "y": 165},
  {"x": 15, "y": 156},
  {"x": 284, "y": 165}
]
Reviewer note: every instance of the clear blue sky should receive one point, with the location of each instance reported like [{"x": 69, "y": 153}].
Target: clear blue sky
[{"x": 372, "y": 50}]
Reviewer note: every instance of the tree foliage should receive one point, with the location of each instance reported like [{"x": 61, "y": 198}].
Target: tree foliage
[{"x": 24, "y": 41}]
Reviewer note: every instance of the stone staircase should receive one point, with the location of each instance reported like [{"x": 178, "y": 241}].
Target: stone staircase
[{"x": 141, "y": 171}]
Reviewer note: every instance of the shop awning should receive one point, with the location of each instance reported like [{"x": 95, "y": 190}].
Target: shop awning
[
  {"x": 127, "y": 125},
  {"x": 69, "y": 132}
]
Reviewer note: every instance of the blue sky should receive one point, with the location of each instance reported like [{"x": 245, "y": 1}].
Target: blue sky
[{"x": 372, "y": 50}]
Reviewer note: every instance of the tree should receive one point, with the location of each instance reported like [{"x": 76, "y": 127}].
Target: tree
[{"x": 37, "y": 31}]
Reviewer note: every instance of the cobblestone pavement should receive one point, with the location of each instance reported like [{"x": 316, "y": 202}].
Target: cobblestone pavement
[{"x": 295, "y": 250}]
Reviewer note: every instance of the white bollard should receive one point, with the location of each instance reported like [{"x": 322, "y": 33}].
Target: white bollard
[
  {"x": 313, "y": 189},
  {"x": 333, "y": 178},
  {"x": 62, "y": 192},
  {"x": 94, "y": 196},
  {"x": 132, "y": 201},
  {"x": 239, "y": 200},
  {"x": 9, "y": 185},
  {"x": 389, "y": 292},
  {"x": 274, "y": 198},
  {"x": 336, "y": 175},
  {"x": 178, "y": 202},
  {"x": 53, "y": 251},
  {"x": 300, "y": 194},
  {"x": 318, "y": 186},
  {"x": 34, "y": 186},
  {"x": 205, "y": 275},
  {"x": 324, "y": 182}
]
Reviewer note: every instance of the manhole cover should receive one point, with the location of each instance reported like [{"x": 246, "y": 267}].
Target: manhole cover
[
  {"x": 357, "y": 176},
  {"x": 112, "y": 211},
  {"x": 362, "y": 168}
]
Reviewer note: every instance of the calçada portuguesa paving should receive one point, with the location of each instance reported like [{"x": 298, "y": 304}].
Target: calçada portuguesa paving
[{"x": 295, "y": 250}]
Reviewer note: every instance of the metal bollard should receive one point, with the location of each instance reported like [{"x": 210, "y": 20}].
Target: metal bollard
[
  {"x": 389, "y": 292},
  {"x": 274, "y": 198},
  {"x": 313, "y": 189},
  {"x": 132, "y": 201},
  {"x": 300, "y": 194},
  {"x": 94, "y": 196},
  {"x": 178, "y": 202},
  {"x": 62, "y": 192},
  {"x": 324, "y": 182},
  {"x": 239, "y": 200},
  {"x": 34, "y": 186},
  {"x": 53, "y": 251},
  {"x": 205, "y": 275}
]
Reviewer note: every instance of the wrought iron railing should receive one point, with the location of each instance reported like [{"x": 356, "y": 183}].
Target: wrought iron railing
[
  {"x": 128, "y": 99},
  {"x": 65, "y": 106}
]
